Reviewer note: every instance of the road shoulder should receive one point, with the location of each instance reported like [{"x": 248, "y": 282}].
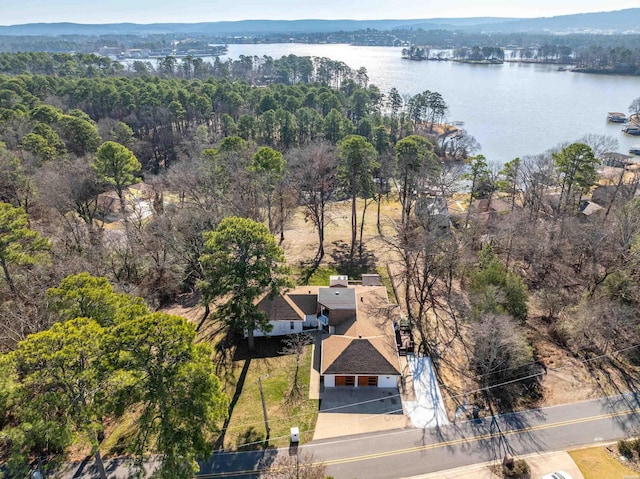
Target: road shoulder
[{"x": 540, "y": 465}]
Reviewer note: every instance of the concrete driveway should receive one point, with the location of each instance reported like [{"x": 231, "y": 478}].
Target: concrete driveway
[
  {"x": 362, "y": 400},
  {"x": 349, "y": 410},
  {"x": 346, "y": 411}
]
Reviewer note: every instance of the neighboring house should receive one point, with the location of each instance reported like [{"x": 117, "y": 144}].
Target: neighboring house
[
  {"x": 140, "y": 201},
  {"x": 589, "y": 208},
  {"x": 433, "y": 213},
  {"x": 616, "y": 160},
  {"x": 108, "y": 203},
  {"x": 142, "y": 191},
  {"x": 488, "y": 211},
  {"x": 496, "y": 205},
  {"x": 604, "y": 195}
]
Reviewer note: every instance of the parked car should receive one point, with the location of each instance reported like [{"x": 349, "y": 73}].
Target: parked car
[{"x": 557, "y": 475}]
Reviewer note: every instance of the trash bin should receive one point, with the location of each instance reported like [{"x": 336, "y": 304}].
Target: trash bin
[{"x": 295, "y": 434}]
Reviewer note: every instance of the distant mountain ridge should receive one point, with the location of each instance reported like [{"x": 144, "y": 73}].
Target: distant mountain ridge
[
  {"x": 627, "y": 20},
  {"x": 242, "y": 27},
  {"x": 613, "y": 21}
]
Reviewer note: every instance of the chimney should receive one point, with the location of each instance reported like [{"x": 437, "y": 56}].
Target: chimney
[
  {"x": 339, "y": 281},
  {"x": 371, "y": 280}
]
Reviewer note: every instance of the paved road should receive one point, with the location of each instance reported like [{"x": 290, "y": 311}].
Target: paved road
[
  {"x": 413, "y": 452},
  {"x": 409, "y": 452}
]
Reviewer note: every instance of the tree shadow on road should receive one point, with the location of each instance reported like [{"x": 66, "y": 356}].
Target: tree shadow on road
[
  {"x": 247, "y": 465},
  {"x": 603, "y": 370},
  {"x": 493, "y": 436}
]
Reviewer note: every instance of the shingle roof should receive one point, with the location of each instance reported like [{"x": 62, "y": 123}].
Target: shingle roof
[
  {"x": 280, "y": 308},
  {"x": 359, "y": 356},
  {"x": 374, "y": 325},
  {"x": 365, "y": 345},
  {"x": 308, "y": 303}
]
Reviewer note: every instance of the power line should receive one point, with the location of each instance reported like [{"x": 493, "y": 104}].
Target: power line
[
  {"x": 451, "y": 397},
  {"x": 359, "y": 403}
]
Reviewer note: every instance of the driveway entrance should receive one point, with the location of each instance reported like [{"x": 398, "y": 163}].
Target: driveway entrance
[{"x": 354, "y": 410}]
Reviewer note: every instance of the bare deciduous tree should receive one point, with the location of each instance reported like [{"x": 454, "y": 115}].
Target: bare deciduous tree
[
  {"x": 314, "y": 168},
  {"x": 600, "y": 144},
  {"x": 297, "y": 466},
  {"x": 296, "y": 345},
  {"x": 501, "y": 351}
]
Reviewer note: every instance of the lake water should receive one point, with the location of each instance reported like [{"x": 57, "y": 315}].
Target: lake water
[{"x": 512, "y": 109}]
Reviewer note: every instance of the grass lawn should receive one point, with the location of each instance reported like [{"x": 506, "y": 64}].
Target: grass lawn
[
  {"x": 246, "y": 428},
  {"x": 597, "y": 463},
  {"x": 121, "y": 435},
  {"x": 320, "y": 276}
]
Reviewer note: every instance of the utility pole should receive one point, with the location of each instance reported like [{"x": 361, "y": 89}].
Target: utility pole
[{"x": 264, "y": 410}]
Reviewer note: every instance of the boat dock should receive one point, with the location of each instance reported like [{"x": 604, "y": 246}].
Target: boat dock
[{"x": 616, "y": 117}]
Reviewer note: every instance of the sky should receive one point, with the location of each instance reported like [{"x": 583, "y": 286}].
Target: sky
[{"x": 13, "y": 12}]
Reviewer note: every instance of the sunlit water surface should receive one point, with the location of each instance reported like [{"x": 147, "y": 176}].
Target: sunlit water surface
[{"x": 511, "y": 109}]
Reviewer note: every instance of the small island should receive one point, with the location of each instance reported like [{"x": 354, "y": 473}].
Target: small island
[{"x": 476, "y": 54}]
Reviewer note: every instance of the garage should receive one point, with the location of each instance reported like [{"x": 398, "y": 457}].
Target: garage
[
  {"x": 345, "y": 381},
  {"x": 364, "y": 381}
]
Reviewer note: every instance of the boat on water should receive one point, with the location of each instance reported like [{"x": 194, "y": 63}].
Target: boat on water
[
  {"x": 632, "y": 130},
  {"x": 635, "y": 150},
  {"x": 616, "y": 117}
]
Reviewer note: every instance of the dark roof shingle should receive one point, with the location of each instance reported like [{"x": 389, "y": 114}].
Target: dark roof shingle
[{"x": 361, "y": 357}]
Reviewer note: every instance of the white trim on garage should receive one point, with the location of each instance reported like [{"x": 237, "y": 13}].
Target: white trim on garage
[{"x": 383, "y": 381}]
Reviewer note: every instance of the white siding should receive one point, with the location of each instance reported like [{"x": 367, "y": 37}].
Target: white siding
[
  {"x": 281, "y": 328},
  {"x": 329, "y": 381},
  {"x": 387, "y": 381},
  {"x": 311, "y": 320}
]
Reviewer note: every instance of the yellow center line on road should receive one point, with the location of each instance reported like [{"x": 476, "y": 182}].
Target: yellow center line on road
[
  {"x": 475, "y": 438},
  {"x": 427, "y": 447}
]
